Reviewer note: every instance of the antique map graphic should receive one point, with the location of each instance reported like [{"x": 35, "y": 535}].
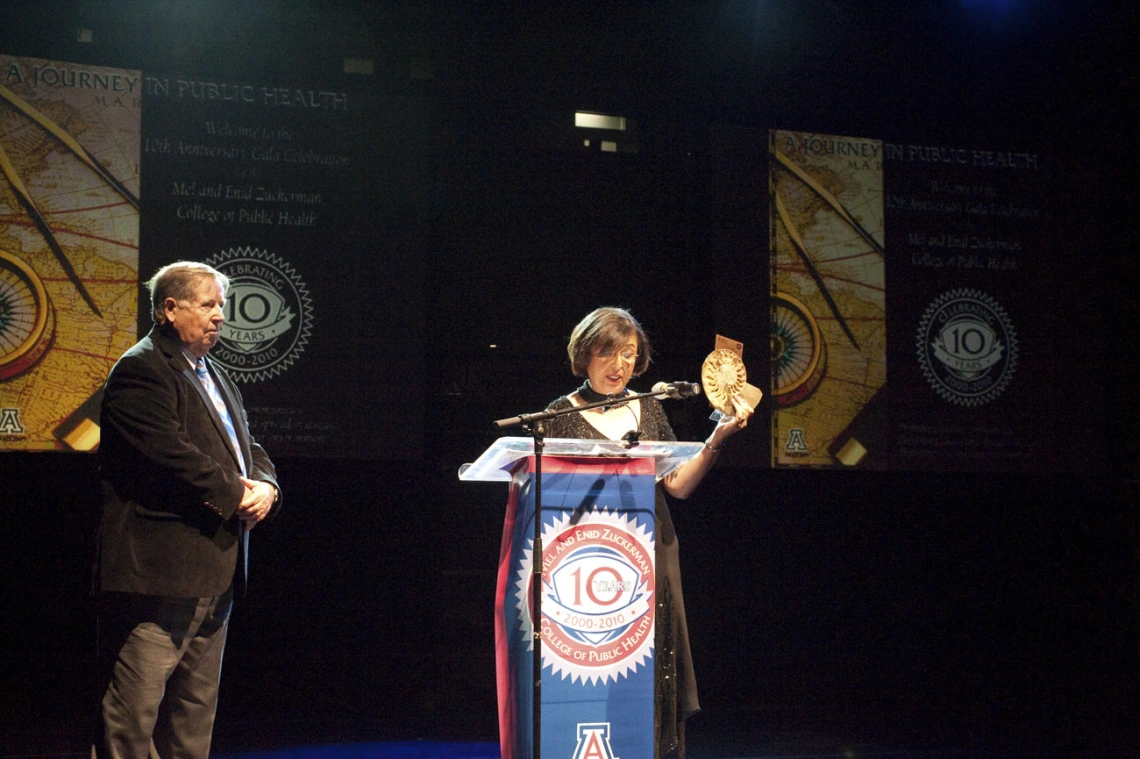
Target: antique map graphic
[
  {"x": 69, "y": 227},
  {"x": 828, "y": 300}
]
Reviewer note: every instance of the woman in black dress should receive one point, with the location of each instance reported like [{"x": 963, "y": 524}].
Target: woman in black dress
[{"x": 609, "y": 348}]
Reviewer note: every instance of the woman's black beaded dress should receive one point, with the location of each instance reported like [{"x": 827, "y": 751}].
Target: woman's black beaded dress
[{"x": 676, "y": 691}]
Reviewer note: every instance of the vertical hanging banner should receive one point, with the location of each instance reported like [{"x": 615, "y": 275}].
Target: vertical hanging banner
[
  {"x": 964, "y": 317},
  {"x": 282, "y": 189},
  {"x": 292, "y": 191},
  {"x": 828, "y": 297},
  {"x": 69, "y": 245},
  {"x": 969, "y": 235}
]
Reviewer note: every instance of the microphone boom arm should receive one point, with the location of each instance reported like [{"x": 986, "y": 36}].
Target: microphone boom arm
[{"x": 525, "y": 420}]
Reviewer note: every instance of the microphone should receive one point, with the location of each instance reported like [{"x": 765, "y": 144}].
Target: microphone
[{"x": 677, "y": 389}]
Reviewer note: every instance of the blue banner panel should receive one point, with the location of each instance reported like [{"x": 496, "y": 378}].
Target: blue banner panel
[{"x": 598, "y": 600}]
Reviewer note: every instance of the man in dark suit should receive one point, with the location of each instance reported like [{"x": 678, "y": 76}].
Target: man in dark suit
[{"x": 183, "y": 483}]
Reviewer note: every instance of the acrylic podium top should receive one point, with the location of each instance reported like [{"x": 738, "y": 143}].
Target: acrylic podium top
[{"x": 495, "y": 462}]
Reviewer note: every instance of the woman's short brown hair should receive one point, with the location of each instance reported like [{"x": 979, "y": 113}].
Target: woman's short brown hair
[{"x": 603, "y": 330}]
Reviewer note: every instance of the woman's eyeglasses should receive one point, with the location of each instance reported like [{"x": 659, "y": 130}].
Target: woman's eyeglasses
[{"x": 627, "y": 355}]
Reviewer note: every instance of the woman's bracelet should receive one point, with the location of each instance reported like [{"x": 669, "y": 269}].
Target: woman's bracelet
[{"x": 714, "y": 450}]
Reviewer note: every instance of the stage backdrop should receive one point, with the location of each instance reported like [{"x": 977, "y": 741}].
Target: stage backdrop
[
  {"x": 290, "y": 190},
  {"x": 907, "y": 290}
]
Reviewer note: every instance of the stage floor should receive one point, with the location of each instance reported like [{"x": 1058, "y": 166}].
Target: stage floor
[{"x": 714, "y": 734}]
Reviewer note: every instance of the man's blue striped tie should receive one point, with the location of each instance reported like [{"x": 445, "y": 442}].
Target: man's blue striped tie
[
  {"x": 208, "y": 381},
  {"x": 216, "y": 396}
]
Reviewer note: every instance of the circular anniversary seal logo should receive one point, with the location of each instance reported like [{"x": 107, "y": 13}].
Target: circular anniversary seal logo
[
  {"x": 597, "y": 596},
  {"x": 268, "y": 315},
  {"x": 967, "y": 347}
]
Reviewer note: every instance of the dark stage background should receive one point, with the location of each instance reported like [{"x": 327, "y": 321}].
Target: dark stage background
[{"x": 959, "y": 609}]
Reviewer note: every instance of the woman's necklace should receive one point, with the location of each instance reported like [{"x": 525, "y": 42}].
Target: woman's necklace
[{"x": 590, "y": 395}]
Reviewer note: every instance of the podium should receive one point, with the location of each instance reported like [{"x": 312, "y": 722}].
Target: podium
[{"x": 597, "y": 589}]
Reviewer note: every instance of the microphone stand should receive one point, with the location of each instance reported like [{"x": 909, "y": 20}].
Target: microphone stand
[{"x": 535, "y": 424}]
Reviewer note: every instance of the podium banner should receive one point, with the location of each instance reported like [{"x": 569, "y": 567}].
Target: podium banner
[{"x": 598, "y": 602}]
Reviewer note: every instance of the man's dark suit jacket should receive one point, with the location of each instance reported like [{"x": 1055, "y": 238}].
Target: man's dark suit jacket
[{"x": 170, "y": 477}]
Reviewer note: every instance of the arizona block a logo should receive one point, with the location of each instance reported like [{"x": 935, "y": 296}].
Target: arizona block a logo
[{"x": 594, "y": 741}]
